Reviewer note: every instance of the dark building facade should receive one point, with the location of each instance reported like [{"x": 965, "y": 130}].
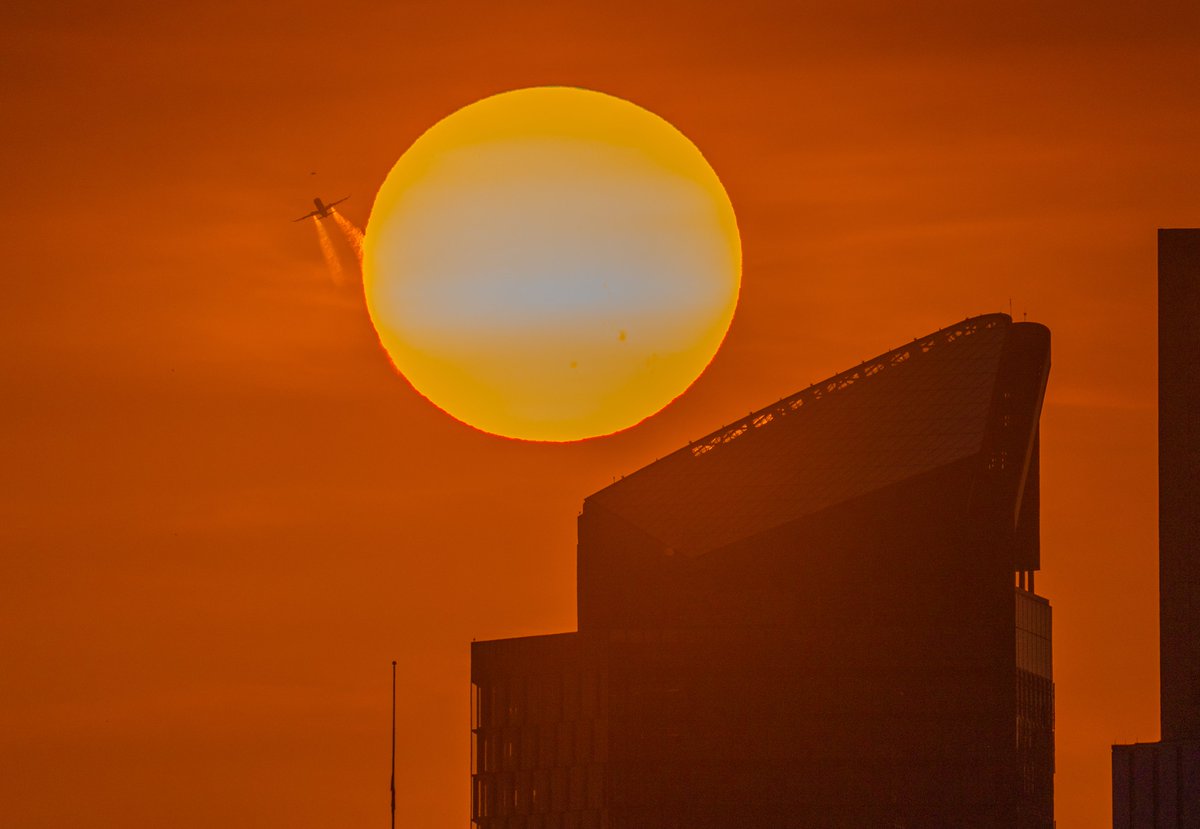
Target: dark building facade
[
  {"x": 1157, "y": 785},
  {"x": 822, "y": 615}
]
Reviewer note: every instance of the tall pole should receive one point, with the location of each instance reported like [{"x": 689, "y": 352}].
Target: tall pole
[{"x": 393, "y": 744}]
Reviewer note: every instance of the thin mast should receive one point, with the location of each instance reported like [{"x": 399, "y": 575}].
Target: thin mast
[{"x": 393, "y": 744}]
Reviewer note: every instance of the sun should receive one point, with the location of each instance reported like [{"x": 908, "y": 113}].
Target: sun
[{"x": 552, "y": 264}]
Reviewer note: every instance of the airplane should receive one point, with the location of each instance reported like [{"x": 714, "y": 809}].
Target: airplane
[{"x": 323, "y": 211}]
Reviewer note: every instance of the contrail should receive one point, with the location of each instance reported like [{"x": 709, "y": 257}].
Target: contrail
[
  {"x": 331, "y": 258},
  {"x": 353, "y": 235}
]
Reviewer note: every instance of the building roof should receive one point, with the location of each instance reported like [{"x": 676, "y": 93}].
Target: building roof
[{"x": 911, "y": 410}]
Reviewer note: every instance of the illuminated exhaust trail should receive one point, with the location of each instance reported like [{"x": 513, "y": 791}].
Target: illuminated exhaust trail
[
  {"x": 331, "y": 258},
  {"x": 353, "y": 235}
]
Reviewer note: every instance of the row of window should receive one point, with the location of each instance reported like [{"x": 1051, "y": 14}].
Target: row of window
[
  {"x": 1033, "y": 634},
  {"x": 539, "y": 746},
  {"x": 1033, "y": 614},
  {"x": 587, "y": 819},
  {"x": 1034, "y": 654},
  {"x": 1035, "y": 741},
  {"x": 539, "y": 699},
  {"x": 547, "y": 791}
]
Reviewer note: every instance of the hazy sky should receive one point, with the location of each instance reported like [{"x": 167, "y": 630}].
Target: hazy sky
[{"x": 224, "y": 514}]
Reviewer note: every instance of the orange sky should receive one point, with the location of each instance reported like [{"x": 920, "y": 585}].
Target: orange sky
[{"x": 223, "y": 514}]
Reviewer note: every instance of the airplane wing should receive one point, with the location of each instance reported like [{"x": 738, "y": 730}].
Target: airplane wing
[
  {"x": 339, "y": 201},
  {"x": 305, "y": 216}
]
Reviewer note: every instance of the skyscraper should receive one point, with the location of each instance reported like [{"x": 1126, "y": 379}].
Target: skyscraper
[
  {"x": 822, "y": 614},
  {"x": 1157, "y": 785}
]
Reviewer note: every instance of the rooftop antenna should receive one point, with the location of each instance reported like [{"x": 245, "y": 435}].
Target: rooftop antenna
[
  {"x": 1010, "y": 307},
  {"x": 393, "y": 744}
]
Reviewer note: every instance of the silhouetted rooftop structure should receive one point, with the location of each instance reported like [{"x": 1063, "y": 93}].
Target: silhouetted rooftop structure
[{"x": 911, "y": 410}]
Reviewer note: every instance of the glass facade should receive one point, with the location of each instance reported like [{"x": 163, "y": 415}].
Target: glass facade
[
  {"x": 1035, "y": 708},
  {"x": 539, "y": 740}
]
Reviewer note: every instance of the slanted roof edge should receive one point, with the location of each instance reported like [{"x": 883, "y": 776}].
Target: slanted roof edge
[{"x": 865, "y": 370}]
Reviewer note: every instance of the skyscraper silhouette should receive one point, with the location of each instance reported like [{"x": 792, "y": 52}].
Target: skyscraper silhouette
[
  {"x": 820, "y": 615},
  {"x": 1157, "y": 785}
]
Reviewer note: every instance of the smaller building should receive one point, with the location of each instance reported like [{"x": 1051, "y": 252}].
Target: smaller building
[
  {"x": 1157, "y": 785},
  {"x": 1154, "y": 786},
  {"x": 539, "y": 740}
]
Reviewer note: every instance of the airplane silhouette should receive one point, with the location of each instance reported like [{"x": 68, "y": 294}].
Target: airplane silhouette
[{"x": 323, "y": 211}]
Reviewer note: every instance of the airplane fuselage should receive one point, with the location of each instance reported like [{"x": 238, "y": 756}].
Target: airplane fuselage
[{"x": 323, "y": 211}]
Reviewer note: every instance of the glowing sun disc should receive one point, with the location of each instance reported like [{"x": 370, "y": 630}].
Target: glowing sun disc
[{"x": 551, "y": 264}]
